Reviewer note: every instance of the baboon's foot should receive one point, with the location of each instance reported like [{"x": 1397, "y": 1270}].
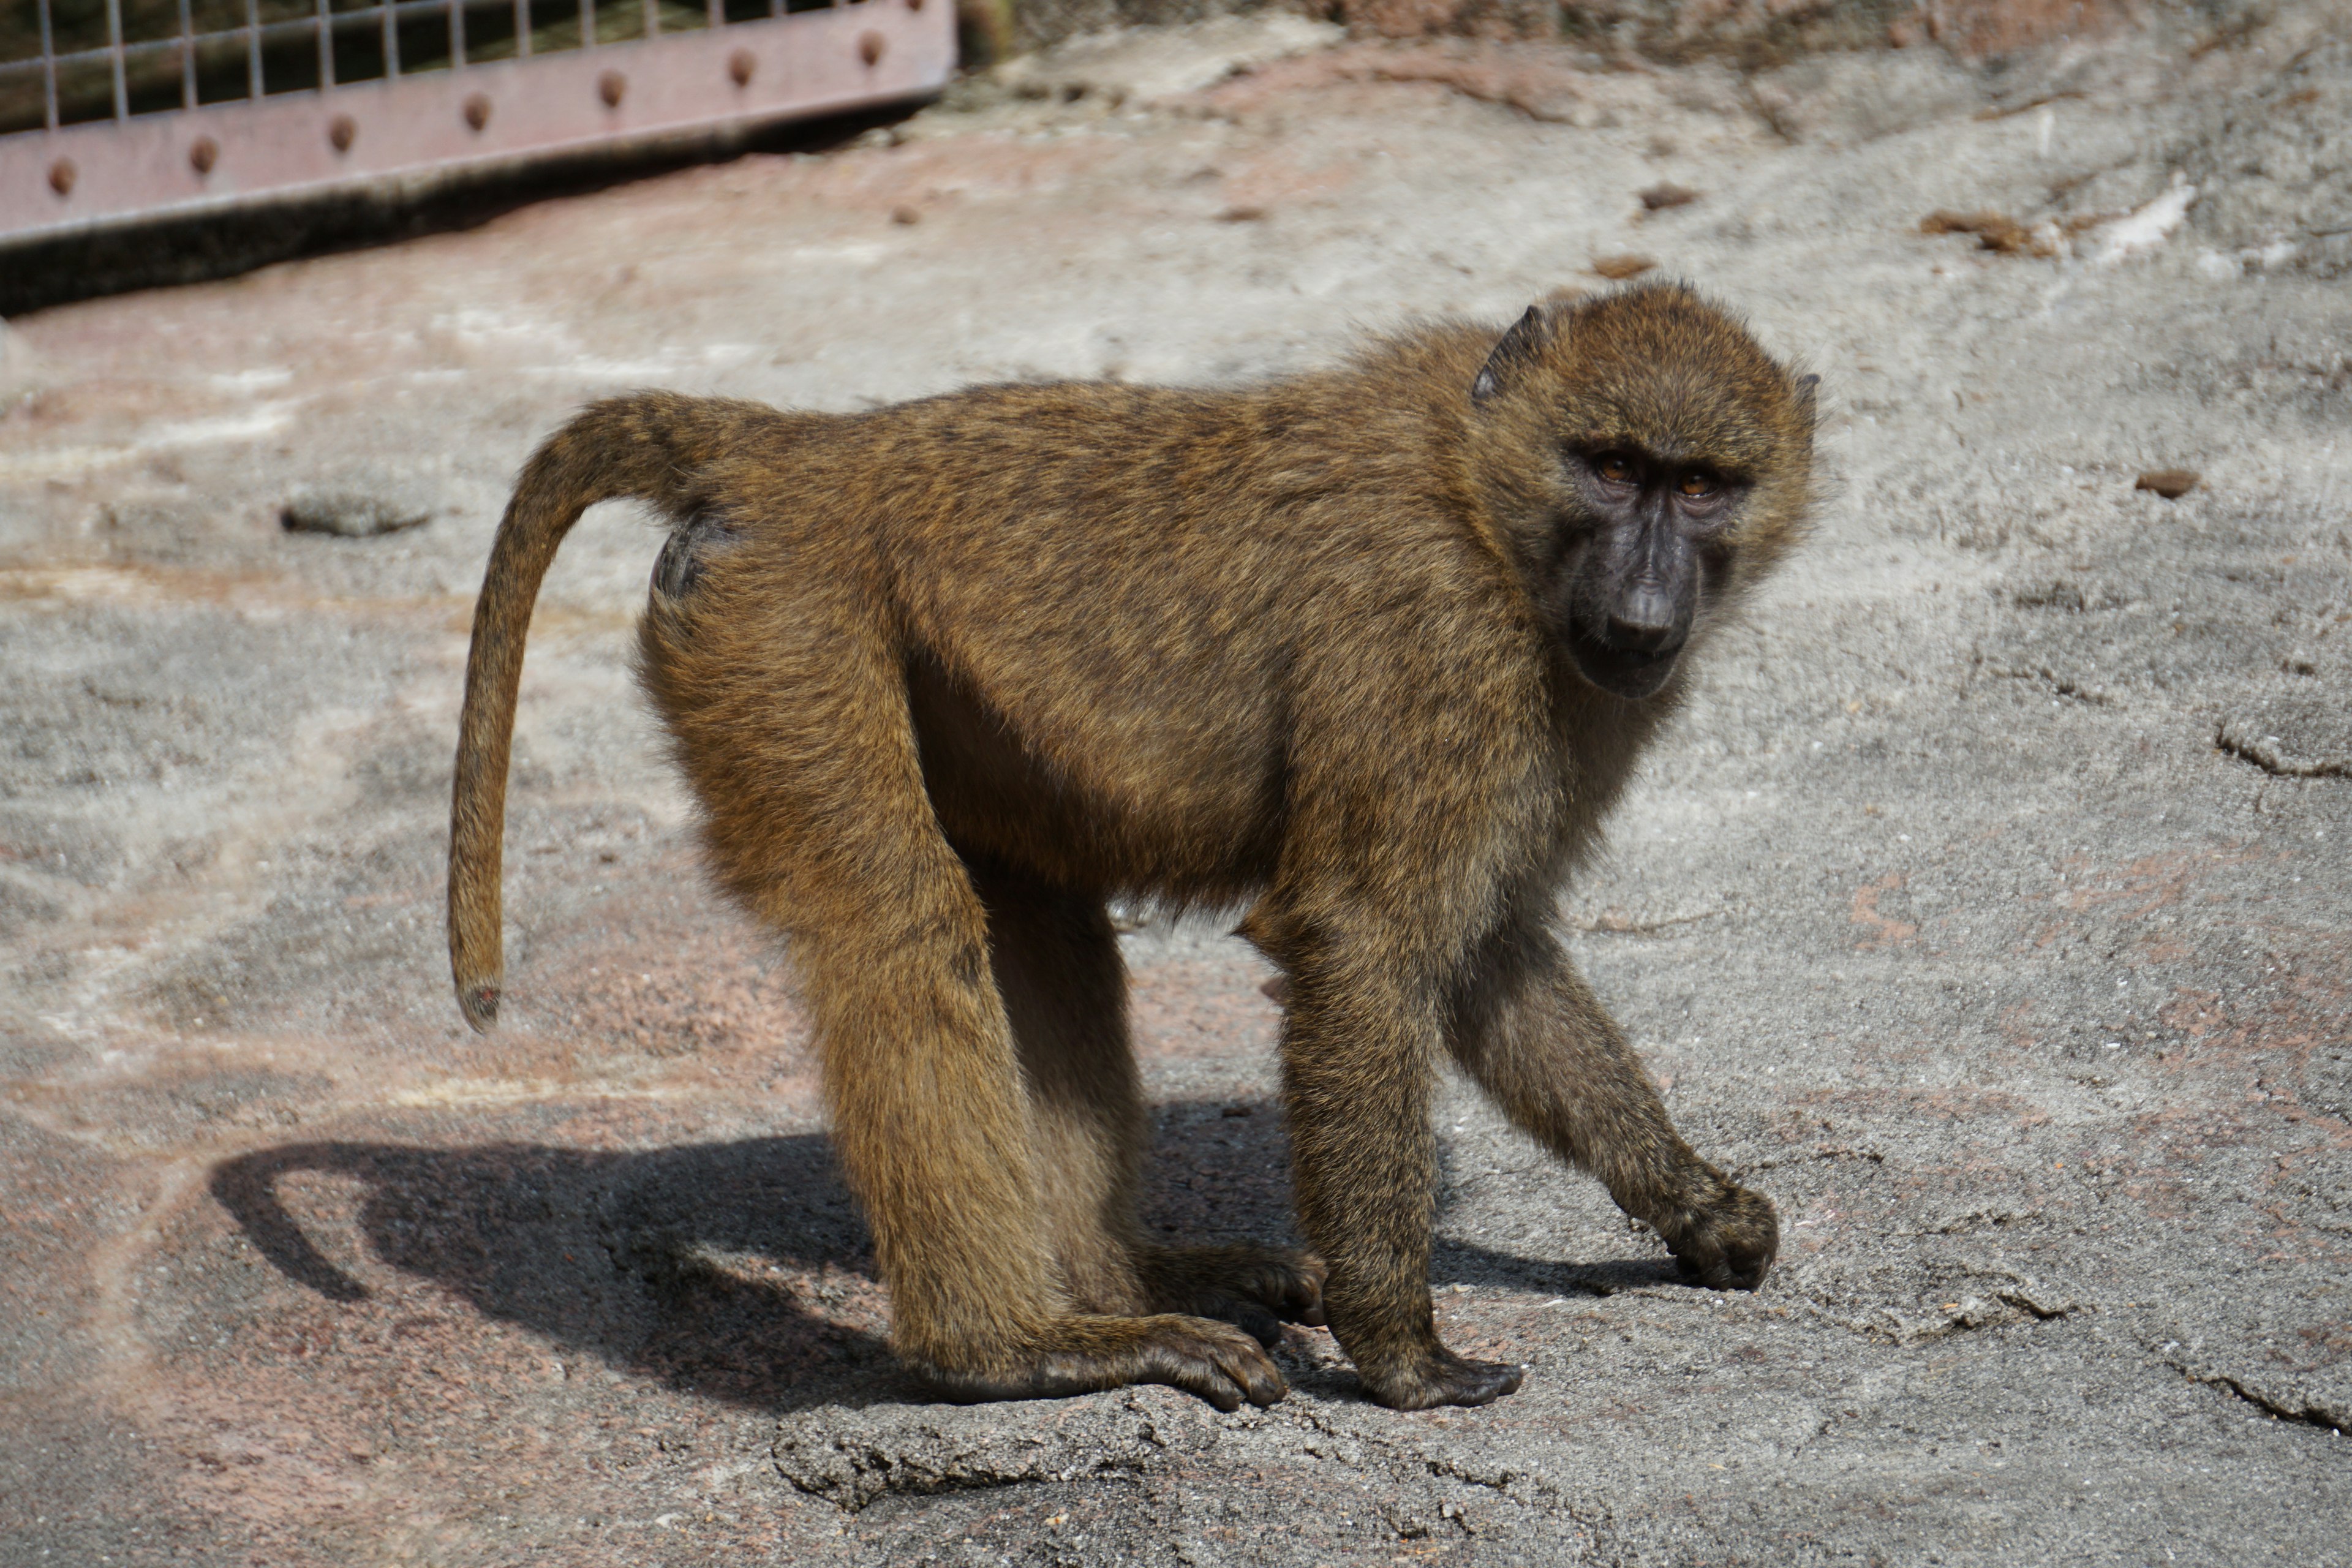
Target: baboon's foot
[
  {"x": 1726, "y": 1239},
  {"x": 1083, "y": 1355},
  {"x": 1442, "y": 1378},
  {"x": 1255, "y": 1288}
]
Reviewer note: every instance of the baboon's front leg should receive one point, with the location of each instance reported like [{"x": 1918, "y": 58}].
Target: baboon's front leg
[
  {"x": 1525, "y": 1026},
  {"x": 1358, "y": 1057}
]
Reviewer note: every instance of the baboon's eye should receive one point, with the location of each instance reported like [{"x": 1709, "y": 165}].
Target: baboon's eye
[
  {"x": 1696, "y": 487},
  {"x": 1614, "y": 467}
]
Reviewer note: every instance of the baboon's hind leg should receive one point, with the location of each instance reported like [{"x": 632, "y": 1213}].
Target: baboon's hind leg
[
  {"x": 1057, "y": 962},
  {"x": 816, "y": 819}
]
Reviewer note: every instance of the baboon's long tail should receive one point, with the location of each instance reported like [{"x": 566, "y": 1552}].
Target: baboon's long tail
[{"x": 653, "y": 447}]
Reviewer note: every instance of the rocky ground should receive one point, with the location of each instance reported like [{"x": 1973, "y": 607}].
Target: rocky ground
[{"x": 1988, "y": 909}]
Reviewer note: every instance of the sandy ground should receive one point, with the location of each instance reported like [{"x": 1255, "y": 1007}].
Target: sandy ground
[{"x": 1988, "y": 908}]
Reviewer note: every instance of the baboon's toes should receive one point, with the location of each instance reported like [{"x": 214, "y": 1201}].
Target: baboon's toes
[
  {"x": 1733, "y": 1242},
  {"x": 1210, "y": 1359},
  {"x": 1444, "y": 1379}
]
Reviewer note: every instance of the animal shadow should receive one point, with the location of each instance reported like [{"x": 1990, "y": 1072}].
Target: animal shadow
[
  {"x": 709, "y": 1267},
  {"x": 739, "y": 1271}
]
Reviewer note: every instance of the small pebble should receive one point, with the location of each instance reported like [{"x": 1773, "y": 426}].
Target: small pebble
[
  {"x": 2169, "y": 483},
  {"x": 1619, "y": 268}
]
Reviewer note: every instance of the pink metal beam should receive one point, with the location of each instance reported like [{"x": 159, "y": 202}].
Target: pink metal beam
[{"x": 103, "y": 172}]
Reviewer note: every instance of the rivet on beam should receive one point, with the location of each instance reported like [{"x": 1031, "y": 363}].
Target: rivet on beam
[
  {"x": 740, "y": 65},
  {"x": 611, "y": 87},
  {"x": 202, "y": 153},
  {"x": 478, "y": 110},
  {"x": 869, "y": 48},
  {"x": 61, "y": 176},
  {"x": 342, "y": 131}
]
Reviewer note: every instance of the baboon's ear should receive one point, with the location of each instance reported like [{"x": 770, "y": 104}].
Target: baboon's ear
[
  {"x": 1517, "y": 346},
  {"x": 1805, "y": 385}
]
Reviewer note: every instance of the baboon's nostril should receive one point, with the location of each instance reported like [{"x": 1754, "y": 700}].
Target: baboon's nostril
[{"x": 1643, "y": 617}]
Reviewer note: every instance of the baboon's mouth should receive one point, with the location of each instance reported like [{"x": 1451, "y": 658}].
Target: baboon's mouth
[{"x": 1629, "y": 673}]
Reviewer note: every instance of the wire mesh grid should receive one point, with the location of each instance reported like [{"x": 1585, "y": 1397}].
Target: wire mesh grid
[
  {"x": 93, "y": 59},
  {"x": 225, "y": 99}
]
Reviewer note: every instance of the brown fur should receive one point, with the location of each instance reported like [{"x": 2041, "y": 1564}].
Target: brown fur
[{"x": 945, "y": 677}]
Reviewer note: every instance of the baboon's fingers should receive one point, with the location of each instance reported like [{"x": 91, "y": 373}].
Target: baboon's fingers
[
  {"x": 1222, "y": 1281},
  {"x": 1302, "y": 1302},
  {"x": 1247, "y": 1316},
  {"x": 1213, "y": 1360},
  {"x": 1444, "y": 1379},
  {"x": 1729, "y": 1241}
]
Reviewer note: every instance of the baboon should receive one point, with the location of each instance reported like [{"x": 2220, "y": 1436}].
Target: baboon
[{"x": 1363, "y": 656}]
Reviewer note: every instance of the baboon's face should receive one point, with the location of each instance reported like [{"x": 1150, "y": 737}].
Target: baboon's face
[
  {"x": 1645, "y": 541},
  {"x": 1648, "y": 458}
]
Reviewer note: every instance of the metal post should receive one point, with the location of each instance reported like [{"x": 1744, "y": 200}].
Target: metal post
[
  {"x": 457, "y": 34},
  {"x": 390, "y": 41},
  {"x": 326, "y": 45},
  {"x": 522, "y": 30},
  {"x": 187, "y": 57},
  {"x": 587, "y": 24},
  {"x": 653, "y": 18},
  {"x": 49, "y": 72},
  {"x": 253, "y": 48},
  {"x": 114, "y": 56},
  {"x": 718, "y": 12}
]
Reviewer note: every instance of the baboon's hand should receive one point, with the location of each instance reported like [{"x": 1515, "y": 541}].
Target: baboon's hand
[
  {"x": 1728, "y": 1241},
  {"x": 1255, "y": 1288},
  {"x": 1216, "y": 1360},
  {"x": 1443, "y": 1378}
]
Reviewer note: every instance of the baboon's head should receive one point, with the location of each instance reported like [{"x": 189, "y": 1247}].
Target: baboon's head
[{"x": 1648, "y": 460}]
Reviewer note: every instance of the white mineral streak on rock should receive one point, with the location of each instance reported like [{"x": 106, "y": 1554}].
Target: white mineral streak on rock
[{"x": 2146, "y": 228}]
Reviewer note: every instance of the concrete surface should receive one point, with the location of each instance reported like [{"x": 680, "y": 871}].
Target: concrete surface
[{"x": 1988, "y": 909}]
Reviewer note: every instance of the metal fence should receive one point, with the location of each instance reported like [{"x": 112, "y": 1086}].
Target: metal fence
[{"x": 113, "y": 111}]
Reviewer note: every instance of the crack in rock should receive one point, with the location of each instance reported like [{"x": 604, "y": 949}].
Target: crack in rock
[
  {"x": 877, "y": 1456},
  {"x": 2266, "y": 753},
  {"x": 2063, "y": 685},
  {"x": 2020, "y": 1301},
  {"x": 1497, "y": 1481},
  {"x": 2308, "y": 1412}
]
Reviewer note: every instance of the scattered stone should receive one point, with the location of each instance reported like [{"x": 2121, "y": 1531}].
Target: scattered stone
[
  {"x": 1659, "y": 197},
  {"x": 906, "y": 214},
  {"x": 1617, "y": 269},
  {"x": 1242, "y": 215},
  {"x": 352, "y": 514},
  {"x": 2169, "y": 483}
]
